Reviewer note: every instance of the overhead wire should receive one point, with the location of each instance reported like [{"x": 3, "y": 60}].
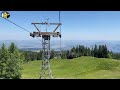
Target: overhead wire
[
  {"x": 60, "y": 32},
  {"x": 18, "y": 26}
]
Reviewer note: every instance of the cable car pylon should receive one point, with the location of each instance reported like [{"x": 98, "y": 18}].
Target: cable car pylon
[{"x": 46, "y": 72}]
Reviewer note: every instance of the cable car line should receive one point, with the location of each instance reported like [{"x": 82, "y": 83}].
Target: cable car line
[{"x": 18, "y": 26}]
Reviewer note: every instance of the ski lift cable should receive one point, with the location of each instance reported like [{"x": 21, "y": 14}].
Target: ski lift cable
[
  {"x": 60, "y": 32},
  {"x": 18, "y": 26}
]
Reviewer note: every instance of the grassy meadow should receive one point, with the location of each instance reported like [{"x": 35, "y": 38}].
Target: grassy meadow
[{"x": 78, "y": 68}]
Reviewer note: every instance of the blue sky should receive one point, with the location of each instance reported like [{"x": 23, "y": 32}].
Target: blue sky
[{"x": 76, "y": 25}]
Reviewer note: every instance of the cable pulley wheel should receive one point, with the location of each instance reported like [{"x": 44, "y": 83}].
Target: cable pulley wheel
[{"x": 5, "y": 15}]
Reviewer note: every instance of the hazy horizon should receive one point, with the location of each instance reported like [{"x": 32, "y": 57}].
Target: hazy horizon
[
  {"x": 55, "y": 40},
  {"x": 34, "y": 45}
]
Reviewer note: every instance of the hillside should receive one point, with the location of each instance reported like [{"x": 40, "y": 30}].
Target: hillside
[{"x": 78, "y": 68}]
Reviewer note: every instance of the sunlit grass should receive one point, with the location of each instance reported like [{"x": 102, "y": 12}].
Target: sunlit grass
[{"x": 78, "y": 68}]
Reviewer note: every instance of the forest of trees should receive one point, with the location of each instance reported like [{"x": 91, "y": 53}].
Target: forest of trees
[
  {"x": 12, "y": 58},
  {"x": 100, "y": 51},
  {"x": 31, "y": 56}
]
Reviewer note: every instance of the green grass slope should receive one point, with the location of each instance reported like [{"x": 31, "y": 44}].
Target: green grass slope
[{"x": 78, "y": 68}]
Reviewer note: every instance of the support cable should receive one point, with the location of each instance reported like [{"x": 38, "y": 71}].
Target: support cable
[
  {"x": 18, "y": 26},
  {"x": 60, "y": 32}
]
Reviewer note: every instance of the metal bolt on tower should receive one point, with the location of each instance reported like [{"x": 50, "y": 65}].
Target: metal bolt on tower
[{"x": 46, "y": 71}]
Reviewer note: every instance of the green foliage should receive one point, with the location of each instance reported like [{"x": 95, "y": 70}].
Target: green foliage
[
  {"x": 14, "y": 65},
  {"x": 3, "y": 60},
  {"x": 12, "y": 48},
  {"x": 31, "y": 56},
  {"x": 10, "y": 62},
  {"x": 95, "y": 51},
  {"x": 4, "y": 52},
  {"x": 63, "y": 56},
  {"x": 39, "y": 55},
  {"x": 109, "y": 55},
  {"x": 52, "y": 54},
  {"x": 100, "y": 51},
  {"x": 115, "y": 55},
  {"x": 27, "y": 57}
]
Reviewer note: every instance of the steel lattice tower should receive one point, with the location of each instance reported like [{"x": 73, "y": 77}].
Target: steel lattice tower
[{"x": 46, "y": 71}]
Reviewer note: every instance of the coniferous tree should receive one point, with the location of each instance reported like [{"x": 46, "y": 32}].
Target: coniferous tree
[
  {"x": 13, "y": 63},
  {"x": 73, "y": 49},
  {"x": 39, "y": 55},
  {"x": 87, "y": 51},
  {"x": 100, "y": 52},
  {"x": 12, "y": 48},
  {"x": 92, "y": 52},
  {"x": 95, "y": 51},
  {"x": 52, "y": 54},
  {"x": 105, "y": 51},
  {"x": 27, "y": 57},
  {"x": 80, "y": 54},
  {"x": 3, "y": 60}
]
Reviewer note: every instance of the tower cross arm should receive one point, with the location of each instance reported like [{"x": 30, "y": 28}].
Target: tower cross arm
[
  {"x": 36, "y": 27},
  {"x": 46, "y": 33},
  {"x": 45, "y": 23}
]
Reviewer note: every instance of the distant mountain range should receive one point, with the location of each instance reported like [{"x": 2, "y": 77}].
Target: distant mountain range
[{"x": 36, "y": 45}]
